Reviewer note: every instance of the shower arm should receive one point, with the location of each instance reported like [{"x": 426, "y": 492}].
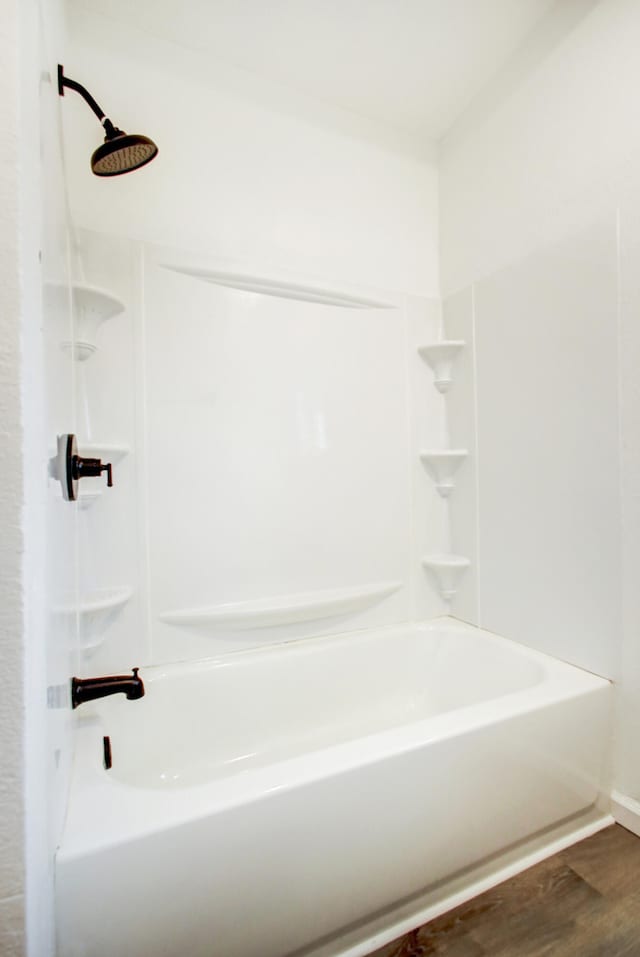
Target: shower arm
[{"x": 63, "y": 81}]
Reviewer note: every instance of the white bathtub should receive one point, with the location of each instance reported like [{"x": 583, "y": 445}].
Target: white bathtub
[{"x": 285, "y": 801}]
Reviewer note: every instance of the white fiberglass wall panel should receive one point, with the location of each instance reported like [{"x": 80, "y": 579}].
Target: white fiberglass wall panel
[
  {"x": 532, "y": 179},
  {"x": 548, "y": 469},
  {"x": 277, "y": 456},
  {"x": 113, "y": 638}
]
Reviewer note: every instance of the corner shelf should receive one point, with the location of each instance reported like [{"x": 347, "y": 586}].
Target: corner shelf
[
  {"x": 440, "y": 357},
  {"x": 282, "y": 609},
  {"x": 442, "y": 466},
  {"x": 95, "y": 612},
  {"x": 447, "y": 571},
  {"x": 91, "y": 307}
]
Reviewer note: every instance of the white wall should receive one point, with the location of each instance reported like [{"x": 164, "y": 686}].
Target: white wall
[
  {"x": 539, "y": 203},
  {"x": 50, "y": 548},
  {"x": 54, "y": 584},
  {"x": 546, "y": 156},
  {"x": 540, "y": 412},
  {"x": 12, "y": 649},
  {"x": 30, "y": 793},
  {"x": 245, "y": 169}
]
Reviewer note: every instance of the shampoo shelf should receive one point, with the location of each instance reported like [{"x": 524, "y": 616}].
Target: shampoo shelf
[
  {"x": 91, "y": 307},
  {"x": 282, "y": 609},
  {"x": 440, "y": 357},
  {"x": 442, "y": 466},
  {"x": 95, "y": 612},
  {"x": 447, "y": 571}
]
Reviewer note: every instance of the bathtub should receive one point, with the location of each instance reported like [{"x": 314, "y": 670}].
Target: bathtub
[{"x": 303, "y": 798}]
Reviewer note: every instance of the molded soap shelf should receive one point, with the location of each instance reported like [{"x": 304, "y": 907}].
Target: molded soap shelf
[
  {"x": 447, "y": 571},
  {"x": 440, "y": 357},
  {"x": 91, "y": 307},
  {"x": 282, "y": 609},
  {"x": 95, "y": 611},
  {"x": 442, "y": 466}
]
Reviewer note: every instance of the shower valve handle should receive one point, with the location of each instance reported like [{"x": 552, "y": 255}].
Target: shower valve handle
[
  {"x": 69, "y": 467},
  {"x": 89, "y": 468}
]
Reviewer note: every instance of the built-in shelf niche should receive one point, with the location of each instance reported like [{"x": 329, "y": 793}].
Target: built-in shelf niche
[
  {"x": 91, "y": 307},
  {"x": 442, "y": 465},
  {"x": 281, "y": 288},
  {"x": 282, "y": 609},
  {"x": 440, "y": 357},
  {"x": 95, "y": 611},
  {"x": 447, "y": 570}
]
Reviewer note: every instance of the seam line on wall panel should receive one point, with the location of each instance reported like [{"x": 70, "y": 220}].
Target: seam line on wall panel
[
  {"x": 143, "y": 449},
  {"x": 412, "y": 449},
  {"x": 621, "y": 489},
  {"x": 476, "y": 418},
  {"x": 448, "y": 441},
  {"x": 70, "y": 255}
]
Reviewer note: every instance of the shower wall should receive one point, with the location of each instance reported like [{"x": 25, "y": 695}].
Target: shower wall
[
  {"x": 268, "y": 445},
  {"x": 267, "y": 480},
  {"x": 12, "y": 632},
  {"x": 540, "y": 197},
  {"x": 541, "y": 412}
]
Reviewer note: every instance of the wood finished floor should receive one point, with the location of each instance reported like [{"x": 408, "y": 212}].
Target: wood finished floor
[{"x": 583, "y": 902}]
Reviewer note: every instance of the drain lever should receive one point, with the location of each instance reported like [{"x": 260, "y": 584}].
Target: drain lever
[{"x": 106, "y": 747}]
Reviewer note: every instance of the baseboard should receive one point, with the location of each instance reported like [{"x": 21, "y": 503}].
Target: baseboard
[
  {"x": 381, "y": 931},
  {"x": 626, "y": 811}
]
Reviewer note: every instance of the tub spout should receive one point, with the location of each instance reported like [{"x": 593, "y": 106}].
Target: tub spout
[{"x": 88, "y": 689}]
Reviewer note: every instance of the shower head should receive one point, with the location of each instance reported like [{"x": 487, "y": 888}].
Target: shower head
[{"x": 121, "y": 152}]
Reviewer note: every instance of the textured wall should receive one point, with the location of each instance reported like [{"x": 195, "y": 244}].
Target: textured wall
[{"x": 11, "y": 539}]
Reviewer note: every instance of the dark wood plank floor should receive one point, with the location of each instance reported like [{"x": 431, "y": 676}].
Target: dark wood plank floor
[{"x": 583, "y": 902}]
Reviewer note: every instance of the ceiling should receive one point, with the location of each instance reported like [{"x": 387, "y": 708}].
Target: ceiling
[{"x": 410, "y": 64}]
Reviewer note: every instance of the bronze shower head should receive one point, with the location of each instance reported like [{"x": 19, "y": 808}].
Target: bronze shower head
[{"x": 121, "y": 152}]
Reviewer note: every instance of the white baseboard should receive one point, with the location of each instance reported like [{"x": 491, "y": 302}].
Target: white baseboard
[{"x": 626, "y": 811}]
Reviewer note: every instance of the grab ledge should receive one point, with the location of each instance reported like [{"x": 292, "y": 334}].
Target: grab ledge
[
  {"x": 281, "y": 609},
  {"x": 283, "y": 289}
]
